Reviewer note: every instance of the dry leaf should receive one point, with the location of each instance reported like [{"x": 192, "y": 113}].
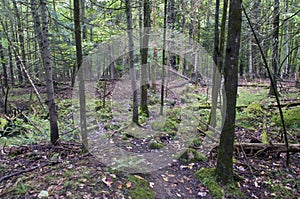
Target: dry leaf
[
  {"x": 139, "y": 177},
  {"x": 128, "y": 185}
]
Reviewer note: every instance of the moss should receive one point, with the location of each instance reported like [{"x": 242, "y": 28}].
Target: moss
[
  {"x": 291, "y": 118},
  {"x": 255, "y": 108},
  {"x": 157, "y": 125},
  {"x": 3, "y": 123},
  {"x": 207, "y": 176},
  {"x": 155, "y": 145},
  {"x": 196, "y": 142},
  {"x": 141, "y": 188},
  {"x": 191, "y": 155}
]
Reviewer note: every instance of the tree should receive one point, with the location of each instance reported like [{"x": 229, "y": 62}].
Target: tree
[
  {"x": 275, "y": 38},
  {"x": 144, "y": 58},
  {"x": 41, "y": 31},
  {"x": 163, "y": 60},
  {"x": 216, "y": 74},
  {"x": 135, "y": 114},
  {"x": 225, "y": 151},
  {"x": 83, "y": 125},
  {"x": 155, "y": 50},
  {"x": 4, "y": 68}
]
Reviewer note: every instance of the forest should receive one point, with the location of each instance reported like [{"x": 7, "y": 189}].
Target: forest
[{"x": 150, "y": 99}]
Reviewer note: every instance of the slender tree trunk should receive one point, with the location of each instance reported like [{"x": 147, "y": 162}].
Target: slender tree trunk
[
  {"x": 83, "y": 125},
  {"x": 21, "y": 36},
  {"x": 216, "y": 72},
  {"x": 11, "y": 66},
  {"x": 112, "y": 62},
  {"x": 43, "y": 35},
  {"x": 4, "y": 68},
  {"x": 225, "y": 151},
  {"x": 16, "y": 53},
  {"x": 135, "y": 115},
  {"x": 155, "y": 50},
  {"x": 287, "y": 45},
  {"x": 144, "y": 58},
  {"x": 163, "y": 60},
  {"x": 275, "y": 47},
  {"x": 183, "y": 24}
]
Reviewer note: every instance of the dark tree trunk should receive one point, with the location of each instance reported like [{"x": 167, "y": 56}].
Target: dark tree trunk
[
  {"x": 41, "y": 32},
  {"x": 275, "y": 56},
  {"x": 144, "y": 58},
  {"x": 225, "y": 150},
  {"x": 11, "y": 66},
  {"x": 163, "y": 60},
  {"x": 83, "y": 126},
  {"x": 171, "y": 25},
  {"x": 135, "y": 115}
]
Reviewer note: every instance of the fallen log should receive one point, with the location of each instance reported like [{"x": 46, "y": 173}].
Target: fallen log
[{"x": 258, "y": 148}]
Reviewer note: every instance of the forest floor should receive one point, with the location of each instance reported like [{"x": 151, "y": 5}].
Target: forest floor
[{"x": 30, "y": 167}]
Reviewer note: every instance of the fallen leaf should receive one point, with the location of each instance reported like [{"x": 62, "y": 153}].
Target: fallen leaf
[
  {"x": 151, "y": 184},
  {"x": 128, "y": 185},
  {"x": 139, "y": 177},
  {"x": 107, "y": 180},
  {"x": 43, "y": 194}
]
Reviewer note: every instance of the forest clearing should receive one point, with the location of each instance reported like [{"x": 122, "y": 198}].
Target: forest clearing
[{"x": 147, "y": 99}]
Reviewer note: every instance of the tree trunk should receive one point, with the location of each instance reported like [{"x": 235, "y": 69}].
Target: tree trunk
[
  {"x": 144, "y": 58},
  {"x": 135, "y": 114},
  {"x": 225, "y": 151},
  {"x": 83, "y": 126},
  {"x": 216, "y": 72},
  {"x": 4, "y": 68},
  {"x": 155, "y": 50},
  {"x": 21, "y": 37},
  {"x": 275, "y": 48},
  {"x": 43, "y": 35},
  {"x": 163, "y": 60}
]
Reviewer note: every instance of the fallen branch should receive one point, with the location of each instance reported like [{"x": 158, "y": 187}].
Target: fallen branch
[
  {"x": 254, "y": 148},
  {"x": 26, "y": 170}
]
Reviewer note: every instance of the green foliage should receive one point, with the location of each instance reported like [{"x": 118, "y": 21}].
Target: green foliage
[
  {"x": 254, "y": 108},
  {"x": 3, "y": 123},
  {"x": 196, "y": 142},
  {"x": 291, "y": 118},
  {"x": 247, "y": 96},
  {"x": 141, "y": 188},
  {"x": 22, "y": 187}
]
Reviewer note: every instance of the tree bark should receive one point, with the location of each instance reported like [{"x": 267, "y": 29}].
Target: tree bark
[
  {"x": 275, "y": 55},
  {"x": 43, "y": 35},
  {"x": 83, "y": 125},
  {"x": 135, "y": 114},
  {"x": 144, "y": 58},
  {"x": 216, "y": 72},
  {"x": 225, "y": 151},
  {"x": 155, "y": 50},
  {"x": 4, "y": 68}
]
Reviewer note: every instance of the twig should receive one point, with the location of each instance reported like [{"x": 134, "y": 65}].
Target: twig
[{"x": 26, "y": 170}]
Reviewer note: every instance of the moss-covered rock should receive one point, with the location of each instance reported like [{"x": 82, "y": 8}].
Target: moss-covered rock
[
  {"x": 155, "y": 145},
  {"x": 191, "y": 155}
]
